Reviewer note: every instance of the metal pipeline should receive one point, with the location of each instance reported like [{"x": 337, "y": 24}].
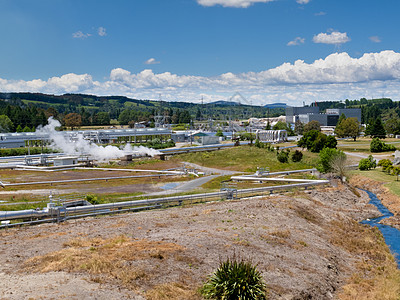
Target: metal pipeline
[{"x": 104, "y": 208}]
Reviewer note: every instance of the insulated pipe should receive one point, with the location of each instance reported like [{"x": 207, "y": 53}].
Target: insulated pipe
[
  {"x": 81, "y": 180},
  {"x": 248, "y": 178},
  {"x": 133, "y": 170},
  {"x": 11, "y": 215}
]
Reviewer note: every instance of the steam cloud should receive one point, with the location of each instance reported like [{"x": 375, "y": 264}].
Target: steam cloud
[{"x": 84, "y": 147}]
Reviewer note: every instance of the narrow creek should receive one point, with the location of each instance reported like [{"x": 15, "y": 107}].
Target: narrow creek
[{"x": 391, "y": 234}]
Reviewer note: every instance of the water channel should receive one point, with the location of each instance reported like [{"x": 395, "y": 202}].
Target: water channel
[{"x": 391, "y": 234}]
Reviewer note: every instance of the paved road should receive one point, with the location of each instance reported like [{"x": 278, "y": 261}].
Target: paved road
[{"x": 195, "y": 183}]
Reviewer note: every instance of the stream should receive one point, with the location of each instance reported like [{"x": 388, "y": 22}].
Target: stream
[{"x": 391, "y": 234}]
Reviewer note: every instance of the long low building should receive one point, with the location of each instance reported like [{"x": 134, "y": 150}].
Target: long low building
[{"x": 20, "y": 139}]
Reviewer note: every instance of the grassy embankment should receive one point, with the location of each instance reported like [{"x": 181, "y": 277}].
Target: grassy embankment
[
  {"x": 389, "y": 181},
  {"x": 246, "y": 159},
  {"x": 377, "y": 275}
]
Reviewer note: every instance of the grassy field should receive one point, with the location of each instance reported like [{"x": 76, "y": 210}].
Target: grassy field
[
  {"x": 247, "y": 159},
  {"x": 363, "y": 144},
  {"x": 390, "y": 181}
]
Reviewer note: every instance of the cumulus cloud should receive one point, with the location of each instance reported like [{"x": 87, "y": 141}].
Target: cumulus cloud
[
  {"x": 338, "y": 76},
  {"x": 334, "y": 38},
  {"x": 232, "y": 3},
  {"x": 151, "y": 61},
  {"x": 80, "y": 35},
  {"x": 375, "y": 39},
  {"x": 101, "y": 31},
  {"x": 302, "y": 1},
  {"x": 297, "y": 41}
]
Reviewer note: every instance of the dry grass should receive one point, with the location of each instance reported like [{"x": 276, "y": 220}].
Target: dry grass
[
  {"x": 110, "y": 258},
  {"x": 172, "y": 291},
  {"x": 308, "y": 214},
  {"x": 377, "y": 275}
]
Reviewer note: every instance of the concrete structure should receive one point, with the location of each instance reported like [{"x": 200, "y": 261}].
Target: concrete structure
[
  {"x": 65, "y": 161},
  {"x": 274, "y": 136},
  {"x": 209, "y": 140}
]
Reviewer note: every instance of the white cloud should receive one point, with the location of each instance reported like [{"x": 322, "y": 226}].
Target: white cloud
[
  {"x": 321, "y": 13},
  {"x": 334, "y": 38},
  {"x": 101, "y": 31},
  {"x": 80, "y": 35},
  {"x": 297, "y": 41},
  {"x": 338, "y": 76},
  {"x": 302, "y": 1},
  {"x": 375, "y": 39},
  {"x": 231, "y": 3},
  {"x": 151, "y": 61}
]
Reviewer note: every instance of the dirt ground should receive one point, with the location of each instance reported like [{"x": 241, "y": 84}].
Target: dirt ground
[{"x": 167, "y": 254}]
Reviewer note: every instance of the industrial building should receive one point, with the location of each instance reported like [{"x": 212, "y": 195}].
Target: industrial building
[
  {"x": 21, "y": 139},
  {"x": 330, "y": 118}
]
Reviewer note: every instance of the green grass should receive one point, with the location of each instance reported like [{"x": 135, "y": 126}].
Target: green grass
[
  {"x": 247, "y": 159},
  {"x": 363, "y": 144},
  {"x": 390, "y": 181}
]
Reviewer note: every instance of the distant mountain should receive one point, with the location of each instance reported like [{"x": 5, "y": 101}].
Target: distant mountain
[
  {"x": 224, "y": 103},
  {"x": 276, "y": 105}
]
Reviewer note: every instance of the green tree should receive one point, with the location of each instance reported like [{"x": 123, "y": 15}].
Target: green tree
[
  {"x": 312, "y": 125},
  {"x": 327, "y": 157},
  {"x": 19, "y": 128},
  {"x": 101, "y": 118},
  {"x": 392, "y": 126},
  {"x": 348, "y": 127},
  {"x": 283, "y": 126},
  {"x": 315, "y": 141},
  {"x": 219, "y": 133},
  {"x": 6, "y": 125},
  {"x": 375, "y": 129},
  {"x": 298, "y": 127}
]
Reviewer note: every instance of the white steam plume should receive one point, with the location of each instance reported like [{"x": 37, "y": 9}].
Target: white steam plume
[{"x": 81, "y": 146}]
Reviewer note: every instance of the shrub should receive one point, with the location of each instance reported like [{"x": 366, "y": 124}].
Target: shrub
[
  {"x": 258, "y": 144},
  {"x": 92, "y": 199},
  {"x": 283, "y": 157},
  {"x": 327, "y": 157},
  {"x": 297, "y": 156},
  {"x": 378, "y": 146},
  {"x": 386, "y": 164},
  {"x": 367, "y": 163},
  {"x": 235, "y": 280}
]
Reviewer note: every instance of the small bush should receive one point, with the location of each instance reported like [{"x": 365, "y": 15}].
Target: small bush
[
  {"x": 367, "y": 163},
  {"x": 386, "y": 164},
  {"x": 235, "y": 280},
  {"x": 378, "y": 146},
  {"x": 297, "y": 156},
  {"x": 283, "y": 157},
  {"x": 92, "y": 199}
]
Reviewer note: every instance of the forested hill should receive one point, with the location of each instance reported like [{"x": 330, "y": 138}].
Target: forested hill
[{"x": 30, "y": 109}]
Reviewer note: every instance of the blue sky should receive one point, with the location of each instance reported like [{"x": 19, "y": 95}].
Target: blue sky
[{"x": 270, "y": 51}]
